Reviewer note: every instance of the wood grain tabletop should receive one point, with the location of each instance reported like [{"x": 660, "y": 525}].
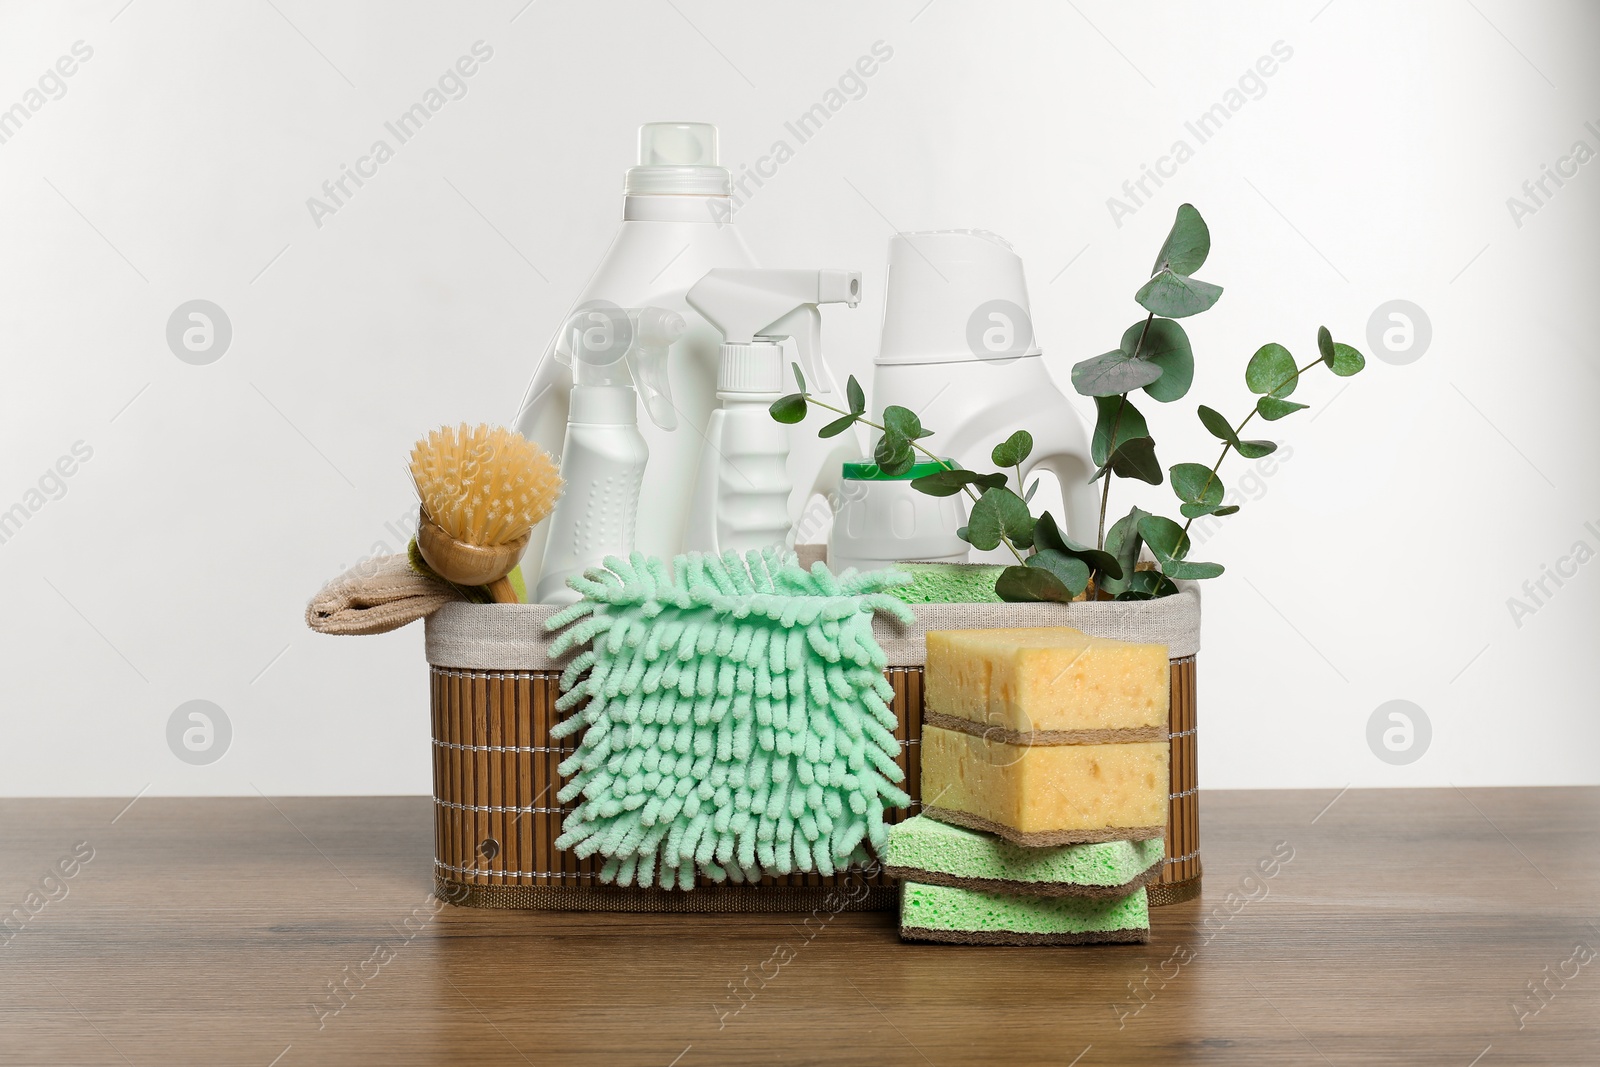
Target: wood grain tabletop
[{"x": 1442, "y": 926}]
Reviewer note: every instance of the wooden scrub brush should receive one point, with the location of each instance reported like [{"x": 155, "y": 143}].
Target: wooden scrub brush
[{"x": 482, "y": 491}]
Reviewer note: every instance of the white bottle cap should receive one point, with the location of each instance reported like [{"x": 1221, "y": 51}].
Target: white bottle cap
[
  {"x": 755, "y": 368},
  {"x": 955, "y": 296},
  {"x": 678, "y": 157}
]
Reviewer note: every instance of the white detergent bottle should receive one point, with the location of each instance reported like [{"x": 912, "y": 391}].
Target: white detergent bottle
[
  {"x": 958, "y": 349},
  {"x": 742, "y": 491},
  {"x": 603, "y": 454},
  {"x": 675, "y": 228}
]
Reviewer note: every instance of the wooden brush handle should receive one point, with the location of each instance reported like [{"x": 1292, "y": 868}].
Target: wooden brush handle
[
  {"x": 464, "y": 564},
  {"x": 501, "y": 592}
]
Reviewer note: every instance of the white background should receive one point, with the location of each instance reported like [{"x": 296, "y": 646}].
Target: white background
[{"x": 1375, "y": 165}]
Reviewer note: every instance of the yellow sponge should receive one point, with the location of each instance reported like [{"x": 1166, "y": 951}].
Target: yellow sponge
[
  {"x": 1045, "y": 794},
  {"x": 1048, "y": 679}
]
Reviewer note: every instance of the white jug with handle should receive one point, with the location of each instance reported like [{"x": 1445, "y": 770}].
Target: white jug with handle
[{"x": 958, "y": 349}]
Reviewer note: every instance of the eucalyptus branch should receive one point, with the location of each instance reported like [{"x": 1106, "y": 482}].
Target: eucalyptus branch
[
  {"x": 1105, "y": 490},
  {"x": 1227, "y": 446}
]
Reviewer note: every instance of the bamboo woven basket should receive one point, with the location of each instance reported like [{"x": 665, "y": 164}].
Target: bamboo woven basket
[{"x": 493, "y": 694}]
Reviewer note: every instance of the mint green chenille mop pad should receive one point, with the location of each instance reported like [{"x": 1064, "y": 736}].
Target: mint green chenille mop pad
[{"x": 735, "y": 717}]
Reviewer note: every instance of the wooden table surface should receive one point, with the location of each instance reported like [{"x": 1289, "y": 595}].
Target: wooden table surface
[{"x": 1409, "y": 927}]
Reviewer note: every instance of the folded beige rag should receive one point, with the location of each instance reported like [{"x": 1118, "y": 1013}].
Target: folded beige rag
[{"x": 376, "y": 596}]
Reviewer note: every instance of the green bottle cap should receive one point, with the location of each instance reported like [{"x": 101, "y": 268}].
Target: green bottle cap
[{"x": 870, "y": 472}]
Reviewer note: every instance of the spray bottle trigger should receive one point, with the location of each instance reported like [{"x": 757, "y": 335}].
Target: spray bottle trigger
[
  {"x": 803, "y": 325},
  {"x": 654, "y": 331}
]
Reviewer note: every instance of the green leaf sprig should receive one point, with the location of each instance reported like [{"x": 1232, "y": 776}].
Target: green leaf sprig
[
  {"x": 1272, "y": 375},
  {"x": 998, "y": 516}
]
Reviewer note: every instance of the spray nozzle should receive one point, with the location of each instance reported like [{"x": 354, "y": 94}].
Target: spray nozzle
[
  {"x": 749, "y": 305},
  {"x": 607, "y": 345}
]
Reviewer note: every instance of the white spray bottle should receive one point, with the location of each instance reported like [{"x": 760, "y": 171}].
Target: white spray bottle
[
  {"x": 675, "y": 227},
  {"x": 741, "y": 496},
  {"x": 603, "y": 454}
]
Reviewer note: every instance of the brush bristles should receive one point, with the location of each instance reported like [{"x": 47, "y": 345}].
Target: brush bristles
[{"x": 484, "y": 486}]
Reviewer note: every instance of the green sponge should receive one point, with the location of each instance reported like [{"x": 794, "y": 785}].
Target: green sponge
[
  {"x": 969, "y": 917},
  {"x": 935, "y": 853},
  {"x": 734, "y": 717},
  {"x": 949, "y": 583}
]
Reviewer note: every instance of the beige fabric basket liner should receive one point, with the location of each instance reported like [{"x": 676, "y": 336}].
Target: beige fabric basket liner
[{"x": 511, "y": 637}]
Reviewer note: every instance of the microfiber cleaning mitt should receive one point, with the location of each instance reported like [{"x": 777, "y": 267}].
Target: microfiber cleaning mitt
[{"x": 735, "y": 718}]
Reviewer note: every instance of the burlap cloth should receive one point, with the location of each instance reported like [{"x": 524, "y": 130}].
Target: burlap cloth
[{"x": 376, "y": 596}]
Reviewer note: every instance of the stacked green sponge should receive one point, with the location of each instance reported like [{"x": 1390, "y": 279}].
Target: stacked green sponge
[
  {"x": 734, "y": 714},
  {"x": 949, "y": 583},
  {"x": 971, "y": 917},
  {"x": 970, "y": 887}
]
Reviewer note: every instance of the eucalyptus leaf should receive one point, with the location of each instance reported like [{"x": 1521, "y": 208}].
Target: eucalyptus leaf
[
  {"x": 1148, "y": 585},
  {"x": 1347, "y": 360},
  {"x": 1230, "y": 509},
  {"x": 1256, "y": 449},
  {"x": 902, "y": 421},
  {"x": 789, "y": 409},
  {"x": 997, "y": 512},
  {"x": 1112, "y": 373},
  {"x": 1048, "y": 535},
  {"x": 800, "y": 379},
  {"x": 985, "y": 526},
  {"x": 1177, "y": 296},
  {"x": 893, "y": 454},
  {"x": 1027, "y": 498},
  {"x": 1165, "y": 537},
  {"x": 1196, "y": 484},
  {"x": 951, "y": 482},
  {"x": 1194, "y": 511},
  {"x": 1123, "y": 542},
  {"x": 1031, "y": 585},
  {"x": 1272, "y": 371},
  {"x": 1013, "y": 450},
  {"x": 1223, "y": 431},
  {"x": 1170, "y": 544},
  {"x": 1019, "y": 521},
  {"x": 1072, "y": 571},
  {"x": 1187, "y": 244},
  {"x": 1137, "y": 459},
  {"x": 1218, "y": 424},
  {"x": 1119, "y": 412},
  {"x": 1325, "y": 345},
  {"x": 941, "y": 483},
  {"x": 1189, "y": 571},
  {"x": 837, "y": 426},
  {"x": 1272, "y": 409},
  {"x": 858, "y": 399},
  {"x": 1166, "y": 345}
]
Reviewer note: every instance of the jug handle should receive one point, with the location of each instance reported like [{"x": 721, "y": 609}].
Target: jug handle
[{"x": 1080, "y": 502}]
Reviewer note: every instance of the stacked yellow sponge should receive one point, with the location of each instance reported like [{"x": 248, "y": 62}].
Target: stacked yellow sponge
[
  {"x": 1046, "y": 736},
  {"x": 1043, "y": 738}
]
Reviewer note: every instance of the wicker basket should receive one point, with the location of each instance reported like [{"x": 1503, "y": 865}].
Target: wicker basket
[{"x": 495, "y": 776}]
